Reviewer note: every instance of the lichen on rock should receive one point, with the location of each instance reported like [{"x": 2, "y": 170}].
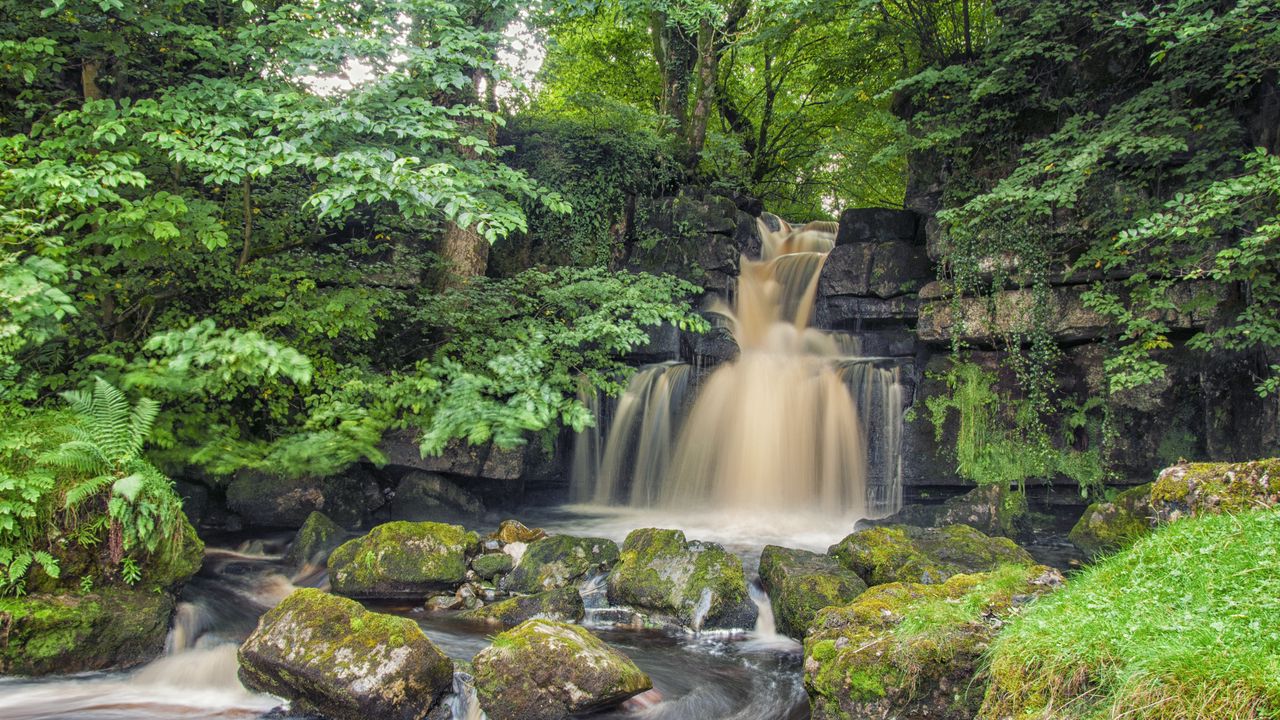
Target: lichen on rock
[
  {"x": 558, "y": 561},
  {"x": 1196, "y": 489},
  {"x": 313, "y": 542},
  {"x": 562, "y": 604},
  {"x": 402, "y": 560},
  {"x": 1108, "y": 526}
]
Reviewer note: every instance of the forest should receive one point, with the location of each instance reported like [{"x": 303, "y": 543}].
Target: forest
[{"x": 685, "y": 359}]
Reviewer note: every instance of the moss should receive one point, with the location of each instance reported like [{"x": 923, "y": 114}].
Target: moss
[
  {"x": 927, "y": 555},
  {"x": 402, "y": 559},
  {"x": 1109, "y": 526},
  {"x": 491, "y": 565},
  {"x": 558, "y": 561},
  {"x": 1210, "y": 488},
  {"x": 317, "y": 537},
  {"x": 563, "y": 604},
  {"x": 801, "y": 583}
]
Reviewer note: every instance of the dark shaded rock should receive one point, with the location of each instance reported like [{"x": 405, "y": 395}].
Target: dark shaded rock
[
  {"x": 991, "y": 509},
  {"x": 263, "y": 500},
  {"x": 402, "y": 560},
  {"x": 711, "y": 348},
  {"x": 562, "y": 605},
  {"x": 903, "y": 553},
  {"x": 861, "y": 225},
  {"x": 313, "y": 542},
  {"x": 486, "y": 461},
  {"x": 544, "y": 670},
  {"x": 698, "y": 584},
  {"x": 848, "y": 312},
  {"x": 328, "y": 655},
  {"x": 431, "y": 496},
  {"x": 663, "y": 344},
  {"x": 800, "y": 583},
  {"x": 882, "y": 270},
  {"x": 195, "y": 500},
  {"x": 491, "y": 565},
  {"x": 560, "y": 560}
]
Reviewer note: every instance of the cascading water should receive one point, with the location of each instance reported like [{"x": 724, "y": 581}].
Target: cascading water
[{"x": 794, "y": 424}]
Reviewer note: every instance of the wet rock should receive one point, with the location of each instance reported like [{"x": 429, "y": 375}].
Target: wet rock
[
  {"x": 263, "y": 500},
  {"x": 329, "y": 656},
  {"x": 458, "y": 458},
  {"x": 105, "y": 630},
  {"x": 861, "y": 225},
  {"x": 195, "y": 500},
  {"x": 991, "y": 509},
  {"x": 1109, "y": 526},
  {"x": 563, "y": 605},
  {"x": 874, "y": 269},
  {"x": 1195, "y": 489},
  {"x": 903, "y": 553},
  {"x": 544, "y": 670},
  {"x": 313, "y": 542},
  {"x": 491, "y": 565},
  {"x": 860, "y": 661},
  {"x": 431, "y": 496},
  {"x": 800, "y": 583},
  {"x": 402, "y": 560},
  {"x": 512, "y": 531},
  {"x": 558, "y": 561},
  {"x": 697, "y": 584}
]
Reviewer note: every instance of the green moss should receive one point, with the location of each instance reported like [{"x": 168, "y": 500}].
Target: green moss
[
  {"x": 317, "y": 537},
  {"x": 1207, "y": 488},
  {"x": 801, "y": 583},
  {"x": 562, "y": 604},
  {"x": 491, "y": 565},
  {"x": 1108, "y": 526},
  {"x": 560, "y": 560},
  {"x": 402, "y": 559},
  {"x": 928, "y": 555}
]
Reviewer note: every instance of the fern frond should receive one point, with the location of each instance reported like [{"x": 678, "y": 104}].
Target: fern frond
[
  {"x": 110, "y": 420},
  {"x": 141, "y": 421},
  {"x": 78, "y": 493},
  {"x": 81, "y": 456}
]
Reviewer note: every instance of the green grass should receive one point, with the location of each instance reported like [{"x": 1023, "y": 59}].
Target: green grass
[{"x": 1184, "y": 624}]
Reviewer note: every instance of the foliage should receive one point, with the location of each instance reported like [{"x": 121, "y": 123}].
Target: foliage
[{"x": 1183, "y": 624}]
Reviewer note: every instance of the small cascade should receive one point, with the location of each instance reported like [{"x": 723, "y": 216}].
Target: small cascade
[{"x": 877, "y": 389}]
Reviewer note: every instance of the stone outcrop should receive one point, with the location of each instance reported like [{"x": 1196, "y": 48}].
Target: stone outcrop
[
  {"x": 431, "y": 496},
  {"x": 991, "y": 509},
  {"x": 904, "y": 553},
  {"x": 264, "y": 500},
  {"x": 1195, "y": 489},
  {"x": 313, "y": 542},
  {"x": 402, "y": 560},
  {"x": 1110, "y": 525},
  {"x": 800, "y": 583}
]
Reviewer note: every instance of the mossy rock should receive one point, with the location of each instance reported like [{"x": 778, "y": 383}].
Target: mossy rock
[
  {"x": 402, "y": 560},
  {"x": 105, "y": 630},
  {"x": 545, "y": 670},
  {"x": 313, "y": 542},
  {"x": 1109, "y": 526},
  {"x": 800, "y": 583},
  {"x": 909, "y": 650},
  {"x": 165, "y": 570},
  {"x": 992, "y": 509},
  {"x": 903, "y": 553},
  {"x": 491, "y": 565},
  {"x": 558, "y": 561},
  {"x": 1196, "y": 489},
  {"x": 329, "y": 656},
  {"x": 696, "y": 584},
  {"x": 562, "y": 604}
]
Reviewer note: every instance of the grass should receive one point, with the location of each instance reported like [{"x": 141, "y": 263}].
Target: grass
[{"x": 1185, "y": 624}]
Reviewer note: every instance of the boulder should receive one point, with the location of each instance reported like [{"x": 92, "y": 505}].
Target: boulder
[
  {"x": 545, "y": 670},
  {"x": 874, "y": 269},
  {"x": 909, "y": 650},
  {"x": 563, "y": 605},
  {"x": 1109, "y": 526},
  {"x": 992, "y": 509},
  {"x": 402, "y": 560},
  {"x": 697, "y": 584},
  {"x": 313, "y": 542},
  {"x": 1195, "y": 489},
  {"x": 263, "y": 500},
  {"x": 431, "y": 496},
  {"x": 329, "y": 656},
  {"x": 800, "y": 583},
  {"x": 458, "y": 458},
  {"x": 558, "y": 561},
  {"x": 105, "y": 630},
  {"x": 491, "y": 565},
  {"x": 512, "y": 531},
  {"x": 904, "y": 553}
]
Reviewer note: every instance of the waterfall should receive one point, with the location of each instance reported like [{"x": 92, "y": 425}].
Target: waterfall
[{"x": 796, "y": 423}]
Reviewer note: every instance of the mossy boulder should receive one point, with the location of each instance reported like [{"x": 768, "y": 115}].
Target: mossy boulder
[
  {"x": 491, "y": 565},
  {"x": 992, "y": 509},
  {"x": 697, "y": 584},
  {"x": 1109, "y": 526},
  {"x": 545, "y": 670},
  {"x": 903, "y": 553},
  {"x": 1196, "y": 489},
  {"x": 909, "y": 650},
  {"x": 109, "y": 629},
  {"x": 558, "y": 561},
  {"x": 563, "y": 604},
  {"x": 800, "y": 583},
  {"x": 402, "y": 560},
  {"x": 329, "y": 656},
  {"x": 313, "y": 542}
]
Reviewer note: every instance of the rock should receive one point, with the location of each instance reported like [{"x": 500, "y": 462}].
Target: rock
[
  {"x": 511, "y": 531},
  {"x": 800, "y": 583},
  {"x": 1195, "y": 489},
  {"x": 874, "y": 269},
  {"x": 195, "y": 500},
  {"x": 903, "y": 553},
  {"x": 274, "y": 501},
  {"x": 558, "y": 561},
  {"x": 458, "y": 458},
  {"x": 491, "y": 565},
  {"x": 313, "y": 542},
  {"x": 991, "y": 509},
  {"x": 860, "y": 225},
  {"x": 861, "y": 661},
  {"x": 329, "y": 656},
  {"x": 1109, "y": 526},
  {"x": 430, "y": 496},
  {"x": 699, "y": 585},
  {"x": 563, "y": 605},
  {"x": 544, "y": 670},
  {"x": 402, "y": 560},
  {"x": 106, "y": 630}
]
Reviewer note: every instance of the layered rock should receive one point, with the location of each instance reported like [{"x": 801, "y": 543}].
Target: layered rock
[
  {"x": 275, "y": 501},
  {"x": 431, "y": 496},
  {"x": 544, "y": 670},
  {"x": 800, "y": 583},
  {"x": 563, "y": 605},
  {"x": 329, "y": 656},
  {"x": 560, "y": 560},
  {"x": 402, "y": 560},
  {"x": 905, "y": 553}
]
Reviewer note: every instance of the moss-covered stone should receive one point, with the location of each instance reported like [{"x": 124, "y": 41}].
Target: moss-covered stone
[
  {"x": 402, "y": 560},
  {"x": 697, "y": 584},
  {"x": 330, "y": 656},
  {"x": 544, "y": 670},
  {"x": 313, "y": 542},
  {"x": 903, "y": 553},
  {"x": 1195, "y": 489},
  {"x": 513, "y": 531},
  {"x": 113, "y": 628},
  {"x": 1109, "y": 526},
  {"x": 562, "y": 604},
  {"x": 560, "y": 560},
  {"x": 909, "y": 650},
  {"x": 800, "y": 583},
  {"x": 992, "y": 509},
  {"x": 491, "y": 565}
]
